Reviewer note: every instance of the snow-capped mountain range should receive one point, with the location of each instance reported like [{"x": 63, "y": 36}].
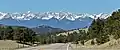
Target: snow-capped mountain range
[
  {"x": 48, "y": 15},
  {"x": 65, "y": 20}
]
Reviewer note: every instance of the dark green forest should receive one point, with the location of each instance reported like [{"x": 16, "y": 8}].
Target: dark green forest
[
  {"x": 18, "y": 33},
  {"x": 103, "y": 30}
]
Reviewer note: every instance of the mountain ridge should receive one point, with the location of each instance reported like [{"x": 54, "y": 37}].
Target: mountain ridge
[
  {"x": 43, "y": 29},
  {"x": 48, "y": 15},
  {"x": 64, "y": 20}
]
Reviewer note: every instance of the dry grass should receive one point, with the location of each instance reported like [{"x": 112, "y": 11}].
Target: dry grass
[
  {"x": 70, "y": 32},
  {"x": 111, "y": 45},
  {"x": 9, "y": 45}
]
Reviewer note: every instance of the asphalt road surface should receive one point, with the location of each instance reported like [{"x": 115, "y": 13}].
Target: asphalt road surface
[
  {"x": 62, "y": 46},
  {"x": 57, "y": 46}
]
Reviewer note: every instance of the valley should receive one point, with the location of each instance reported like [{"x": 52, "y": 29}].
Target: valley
[{"x": 102, "y": 34}]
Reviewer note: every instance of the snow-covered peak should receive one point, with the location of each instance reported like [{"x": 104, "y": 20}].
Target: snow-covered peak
[
  {"x": 101, "y": 16},
  {"x": 48, "y": 15}
]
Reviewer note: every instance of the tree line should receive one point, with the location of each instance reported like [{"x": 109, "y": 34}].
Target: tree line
[
  {"x": 18, "y": 33},
  {"x": 55, "y": 38}
]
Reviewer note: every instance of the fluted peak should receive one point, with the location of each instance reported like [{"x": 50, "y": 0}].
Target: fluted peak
[{"x": 48, "y": 15}]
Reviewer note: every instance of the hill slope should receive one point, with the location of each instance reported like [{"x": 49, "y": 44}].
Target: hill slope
[{"x": 46, "y": 29}]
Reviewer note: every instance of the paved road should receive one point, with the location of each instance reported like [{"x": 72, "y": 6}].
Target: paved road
[
  {"x": 62, "y": 46},
  {"x": 57, "y": 46}
]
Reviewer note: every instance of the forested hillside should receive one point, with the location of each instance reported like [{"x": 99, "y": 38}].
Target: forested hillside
[
  {"x": 104, "y": 30},
  {"x": 19, "y": 33}
]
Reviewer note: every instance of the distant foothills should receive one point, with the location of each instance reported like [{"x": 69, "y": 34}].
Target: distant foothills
[{"x": 43, "y": 29}]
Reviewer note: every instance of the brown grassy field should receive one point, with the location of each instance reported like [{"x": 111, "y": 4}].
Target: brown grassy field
[{"x": 9, "y": 45}]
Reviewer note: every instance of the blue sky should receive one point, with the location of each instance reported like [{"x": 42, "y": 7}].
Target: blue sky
[{"x": 80, "y": 6}]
